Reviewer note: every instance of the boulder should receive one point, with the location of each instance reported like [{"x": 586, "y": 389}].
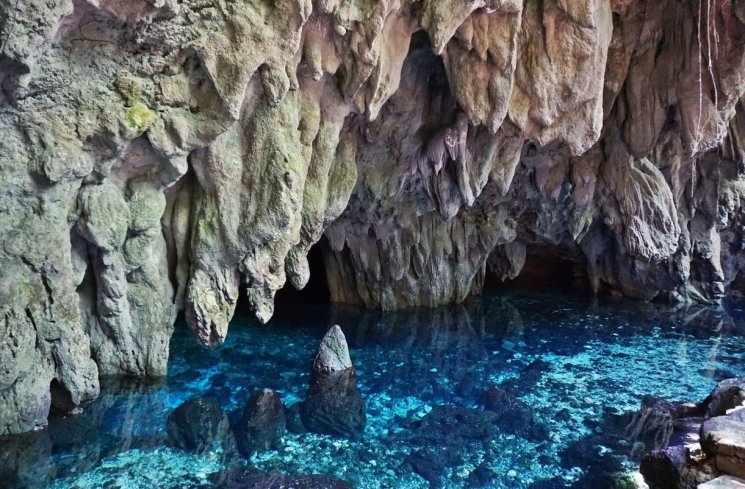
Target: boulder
[
  {"x": 728, "y": 394},
  {"x": 199, "y": 425},
  {"x": 262, "y": 423},
  {"x": 672, "y": 468},
  {"x": 662, "y": 468},
  {"x": 723, "y": 438},
  {"x": 657, "y": 420}
]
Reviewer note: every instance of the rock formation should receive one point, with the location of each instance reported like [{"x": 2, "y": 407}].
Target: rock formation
[
  {"x": 333, "y": 405},
  {"x": 160, "y": 156},
  {"x": 708, "y": 445},
  {"x": 262, "y": 422},
  {"x": 199, "y": 425}
]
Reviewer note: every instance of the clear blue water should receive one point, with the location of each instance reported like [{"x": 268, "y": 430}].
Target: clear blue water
[{"x": 579, "y": 366}]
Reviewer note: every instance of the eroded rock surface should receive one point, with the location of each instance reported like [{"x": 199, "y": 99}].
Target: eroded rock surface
[
  {"x": 163, "y": 156},
  {"x": 333, "y": 405}
]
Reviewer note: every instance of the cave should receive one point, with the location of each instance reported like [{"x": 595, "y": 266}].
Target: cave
[
  {"x": 366, "y": 244},
  {"x": 545, "y": 270},
  {"x": 289, "y": 299}
]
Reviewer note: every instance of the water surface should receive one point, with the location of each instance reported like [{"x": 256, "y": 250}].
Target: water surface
[{"x": 579, "y": 366}]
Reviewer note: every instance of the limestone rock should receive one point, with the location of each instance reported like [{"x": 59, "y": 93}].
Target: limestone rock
[
  {"x": 723, "y": 438},
  {"x": 724, "y": 482},
  {"x": 262, "y": 423},
  {"x": 200, "y": 425},
  {"x": 333, "y": 405},
  {"x": 165, "y": 157},
  {"x": 727, "y": 395}
]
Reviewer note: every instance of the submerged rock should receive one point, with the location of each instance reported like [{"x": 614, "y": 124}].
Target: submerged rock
[
  {"x": 262, "y": 423},
  {"x": 513, "y": 415},
  {"x": 26, "y": 461},
  {"x": 246, "y": 477},
  {"x": 443, "y": 437},
  {"x": 200, "y": 425},
  {"x": 333, "y": 405}
]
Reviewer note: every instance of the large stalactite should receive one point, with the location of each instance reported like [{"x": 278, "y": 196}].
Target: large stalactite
[{"x": 160, "y": 156}]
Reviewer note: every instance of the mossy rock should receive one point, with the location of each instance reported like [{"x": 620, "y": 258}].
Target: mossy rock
[
  {"x": 129, "y": 88},
  {"x": 139, "y": 117}
]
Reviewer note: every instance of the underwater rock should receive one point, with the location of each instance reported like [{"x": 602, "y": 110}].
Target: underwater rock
[
  {"x": 295, "y": 419},
  {"x": 513, "y": 415},
  {"x": 26, "y": 461},
  {"x": 262, "y": 423},
  {"x": 200, "y": 425},
  {"x": 333, "y": 405},
  {"x": 444, "y": 435},
  {"x": 247, "y": 477}
]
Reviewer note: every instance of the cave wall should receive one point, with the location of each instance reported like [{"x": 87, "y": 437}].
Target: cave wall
[{"x": 159, "y": 156}]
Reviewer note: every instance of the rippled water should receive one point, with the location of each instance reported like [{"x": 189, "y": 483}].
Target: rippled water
[{"x": 581, "y": 368}]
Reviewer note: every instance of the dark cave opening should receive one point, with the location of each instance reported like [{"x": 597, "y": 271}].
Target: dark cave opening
[
  {"x": 545, "y": 270},
  {"x": 288, "y": 298},
  {"x": 61, "y": 399},
  {"x": 317, "y": 289}
]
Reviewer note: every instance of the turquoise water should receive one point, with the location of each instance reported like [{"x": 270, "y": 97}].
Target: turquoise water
[{"x": 579, "y": 367}]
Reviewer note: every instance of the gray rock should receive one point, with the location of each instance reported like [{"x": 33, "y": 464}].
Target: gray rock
[
  {"x": 333, "y": 405},
  {"x": 728, "y": 394},
  {"x": 723, "y": 438},
  {"x": 163, "y": 156},
  {"x": 199, "y": 425},
  {"x": 262, "y": 423}
]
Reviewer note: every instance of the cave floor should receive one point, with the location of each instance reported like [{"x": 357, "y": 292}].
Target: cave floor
[{"x": 581, "y": 366}]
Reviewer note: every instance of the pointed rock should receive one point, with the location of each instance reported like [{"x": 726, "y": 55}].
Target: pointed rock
[
  {"x": 333, "y": 354},
  {"x": 333, "y": 405}
]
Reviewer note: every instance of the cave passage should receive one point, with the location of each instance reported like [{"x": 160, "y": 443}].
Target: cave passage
[{"x": 545, "y": 271}]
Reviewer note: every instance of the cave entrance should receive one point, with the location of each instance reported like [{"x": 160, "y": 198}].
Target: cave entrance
[
  {"x": 546, "y": 270},
  {"x": 288, "y": 298},
  {"x": 317, "y": 289}
]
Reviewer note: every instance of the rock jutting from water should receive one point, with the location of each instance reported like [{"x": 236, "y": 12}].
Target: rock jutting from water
[
  {"x": 159, "y": 157},
  {"x": 262, "y": 422},
  {"x": 333, "y": 405},
  {"x": 200, "y": 425}
]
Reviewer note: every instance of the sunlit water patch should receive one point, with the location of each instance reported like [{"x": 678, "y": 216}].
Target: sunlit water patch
[{"x": 577, "y": 370}]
